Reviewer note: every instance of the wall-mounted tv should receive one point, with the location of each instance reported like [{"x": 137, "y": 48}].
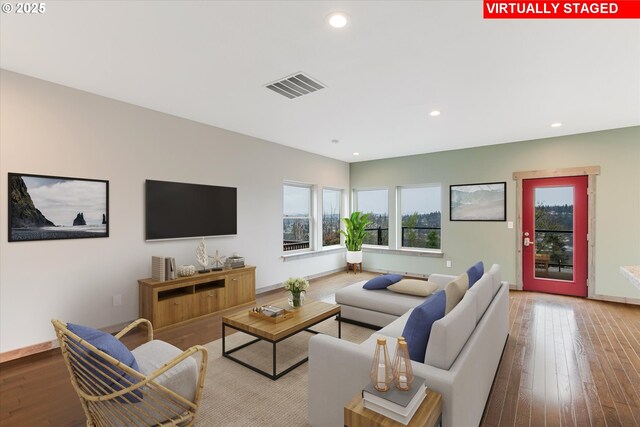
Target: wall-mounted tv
[{"x": 175, "y": 210}]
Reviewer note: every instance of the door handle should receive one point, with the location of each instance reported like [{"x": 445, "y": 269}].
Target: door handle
[{"x": 527, "y": 241}]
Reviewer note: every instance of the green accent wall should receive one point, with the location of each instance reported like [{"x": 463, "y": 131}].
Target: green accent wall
[{"x": 617, "y": 229}]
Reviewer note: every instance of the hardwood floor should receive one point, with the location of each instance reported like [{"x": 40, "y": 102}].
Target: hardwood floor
[{"x": 568, "y": 361}]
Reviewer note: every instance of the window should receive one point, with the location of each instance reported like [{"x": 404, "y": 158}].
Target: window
[
  {"x": 296, "y": 223},
  {"x": 331, "y": 214},
  {"x": 376, "y": 204},
  {"x": 420, "y": 209}
]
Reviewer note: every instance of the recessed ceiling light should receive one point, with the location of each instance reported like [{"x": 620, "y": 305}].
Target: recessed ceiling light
[
  {"x": 356, "y": 154},
  {"x": 338, "y": 19},
  {"x": 556, "y": 125},
  {"x": 434, "y": 113},
  {"x": 335, "y": 141}
]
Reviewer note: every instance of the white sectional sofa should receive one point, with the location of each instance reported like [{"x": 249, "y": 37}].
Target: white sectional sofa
[
  {"x": 461, "y": 359},
  {"x": 375, "y": 308}
]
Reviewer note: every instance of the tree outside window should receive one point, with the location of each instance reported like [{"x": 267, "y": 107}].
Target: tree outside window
[
  {"x": 420, "y": 209},
  {"x": 376, "y": 204}
]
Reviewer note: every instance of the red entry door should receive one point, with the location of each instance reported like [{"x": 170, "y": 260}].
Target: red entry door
[{"x": 554, "y": 235}]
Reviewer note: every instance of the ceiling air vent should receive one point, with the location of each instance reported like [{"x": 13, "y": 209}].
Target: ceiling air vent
[{"x": 295, "y": 86}]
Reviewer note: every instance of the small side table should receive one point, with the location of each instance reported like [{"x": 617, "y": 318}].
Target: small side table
[
  {"x": 354, "y": 265},
  {"x": 429, "y": 414}
]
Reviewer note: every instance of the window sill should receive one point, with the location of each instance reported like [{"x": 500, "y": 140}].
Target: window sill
[
  {"x": 311, "y": 254},
  {"x": 407, "y": 252}
]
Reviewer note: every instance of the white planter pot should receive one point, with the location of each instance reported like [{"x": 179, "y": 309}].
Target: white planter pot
[{"x": 354, "y": 257}]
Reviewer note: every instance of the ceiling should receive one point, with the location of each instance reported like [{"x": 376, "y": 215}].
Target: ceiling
[{"x": 495, "y": 81}]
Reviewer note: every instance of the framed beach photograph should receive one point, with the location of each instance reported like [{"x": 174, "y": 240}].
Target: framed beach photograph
[
  {"x": 478, "y": 202},
  {"x": 53, "y": 207}
]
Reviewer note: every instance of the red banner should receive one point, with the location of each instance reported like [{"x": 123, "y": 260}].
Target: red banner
[{"x": 621, "y": 9}]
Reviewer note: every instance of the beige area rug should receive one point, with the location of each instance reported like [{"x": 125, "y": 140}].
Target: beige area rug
[{"x": 237, "y": 396}]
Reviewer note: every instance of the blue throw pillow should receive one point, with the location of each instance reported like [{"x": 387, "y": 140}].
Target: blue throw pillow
[
  {"x": 113, "y": 347},
  {"x": 381, "y": 282},
  {"x": 475, "y": 272},
  {"x": 418, "y": 327}
]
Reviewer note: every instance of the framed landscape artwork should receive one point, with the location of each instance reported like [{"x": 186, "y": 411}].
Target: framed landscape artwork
[
  {"x": 53, "y": 207},
  {"x": 478, "y": 202}
]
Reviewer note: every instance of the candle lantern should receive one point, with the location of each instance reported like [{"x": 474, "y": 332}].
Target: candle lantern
[
  {"x": 402, "y": 370},
  {"x": 381, "y": 373},
  {"x": 395, "y": 362}
]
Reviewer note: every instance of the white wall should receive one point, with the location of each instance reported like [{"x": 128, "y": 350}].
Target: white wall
[
  {"x": 54, "y": 130},
  {"x": 617, "y": 152}
]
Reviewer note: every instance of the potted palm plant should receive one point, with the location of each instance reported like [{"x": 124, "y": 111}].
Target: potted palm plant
[{"x": 354, "y": 233}]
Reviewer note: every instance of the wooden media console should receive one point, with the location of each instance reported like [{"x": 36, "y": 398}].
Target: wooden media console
[{"x": 169, "y": 302}]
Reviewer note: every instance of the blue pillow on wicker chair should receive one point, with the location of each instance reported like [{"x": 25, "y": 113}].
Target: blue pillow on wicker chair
[
  {"x": 417, "y": 330},
  {"x": 107, "y": 343},
  {"x": 382, "y": 282}
]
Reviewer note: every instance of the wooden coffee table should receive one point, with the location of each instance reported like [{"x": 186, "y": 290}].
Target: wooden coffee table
[{"x": 311, "y": 313}]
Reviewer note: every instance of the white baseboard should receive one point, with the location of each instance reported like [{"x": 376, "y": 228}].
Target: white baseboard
[
  {"x": 264, "y": 289},
  {"x": 623, "y": 300}
]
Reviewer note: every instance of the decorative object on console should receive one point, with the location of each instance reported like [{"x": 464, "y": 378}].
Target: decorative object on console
[
  {"x": 296, "y": 287},
  {"x": 354, "y": 234},
  {"x": 478, "y": 202},
  {"x": 234, "y": 261},
  {"x": 381, "y": 373},
  {"x": 402, "y": 370},
  {"x": 202, "y": 257},
  {"x": 158, "y": 268},
  {"x": 186, "y": 270},
  {"x": 170, "y": 268},
  {"x": 37, "y": 211},
  {"x": 218, "y": 261}
]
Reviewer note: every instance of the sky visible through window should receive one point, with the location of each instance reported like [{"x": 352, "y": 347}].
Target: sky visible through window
[
  {"x": 375, "y": 201},
  {"x": 421, "y": 200},
  {"x": 554, "y": 196},
  {"x": 296, "y": 201}
]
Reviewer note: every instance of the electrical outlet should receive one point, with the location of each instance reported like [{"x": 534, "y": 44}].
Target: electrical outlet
[
  {"x": 117, "y": 300},
  {"x": 448, "y": 263}
]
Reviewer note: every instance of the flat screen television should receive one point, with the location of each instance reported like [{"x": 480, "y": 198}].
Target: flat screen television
[{"x": 175, "y": 210}]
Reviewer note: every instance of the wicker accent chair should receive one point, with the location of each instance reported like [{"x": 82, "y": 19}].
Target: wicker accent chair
[{"x": 164, "y": 391}]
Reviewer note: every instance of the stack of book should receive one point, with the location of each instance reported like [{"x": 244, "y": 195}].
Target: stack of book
[
  {"x": 398, "y": 405},
  {"x": 272, "y": 311},
  {"x": 234, "y": 261}
]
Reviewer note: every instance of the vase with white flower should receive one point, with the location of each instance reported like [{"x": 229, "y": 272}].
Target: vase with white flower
[{"x": 296, "y": 287}]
